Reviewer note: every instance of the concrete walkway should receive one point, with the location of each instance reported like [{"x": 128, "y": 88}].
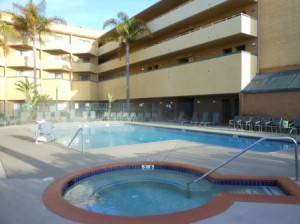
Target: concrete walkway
[{"x": 26, "y": 169}]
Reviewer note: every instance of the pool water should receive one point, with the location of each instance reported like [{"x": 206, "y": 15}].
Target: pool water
[
  {"x": 150, "y": 192},
  {"x": 94, "y": 137}
]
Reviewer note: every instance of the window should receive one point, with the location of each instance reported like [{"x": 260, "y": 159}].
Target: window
[
  {"x": 84, "y": 60},
  {"x": 83, "y": 77},
  {"x": 23, "y": 53},
  {"x": 56, "y": 76},
  {"x": 24, "y": 73},
  {"x": 240, "y": 48},
  {"x": 56, "y": 57},
  {"x": 227, "y": 51},
  {"x": 184, "y": 60},
  {"x": 84, "y": 42},
  {"x": 58, "y": 38}
]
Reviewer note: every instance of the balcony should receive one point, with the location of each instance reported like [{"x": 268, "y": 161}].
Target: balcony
[
  {"x": 84, "y": 90},
  {"x": 233, "y": 28},
  {"x": 2, "y": 88},
  {"x": 191, "y": 11},
  {"x": 56, "y": 65},
  {"x": 84, "y": 50},
  {"x": 22, "y": 62},
  {"x": 57, "y": 47},
  {"x": 2, "y": 62},
  {"x": 221, "y": 75},
  {"x": 85, "y": 67}
]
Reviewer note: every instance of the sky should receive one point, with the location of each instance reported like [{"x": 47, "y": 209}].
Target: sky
[{"x": 85, "y": 13}]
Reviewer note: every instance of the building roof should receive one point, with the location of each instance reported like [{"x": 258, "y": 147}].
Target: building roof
[{"x": 274, "y": 82}]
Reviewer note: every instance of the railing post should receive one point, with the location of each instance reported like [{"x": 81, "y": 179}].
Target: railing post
[{"x": 246, "y": 149}]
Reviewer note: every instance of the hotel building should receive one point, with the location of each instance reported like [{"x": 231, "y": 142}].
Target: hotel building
[{"x": 230, "y": 56}]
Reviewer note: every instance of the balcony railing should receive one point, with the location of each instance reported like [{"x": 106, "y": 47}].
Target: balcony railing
[
  {"x": 58, "y": 65},
  {"x": 22, "y": 62},
  {"x": 239, "y": 24}
]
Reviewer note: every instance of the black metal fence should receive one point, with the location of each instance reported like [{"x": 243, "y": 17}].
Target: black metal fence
[{"x": 154, "y": 111}]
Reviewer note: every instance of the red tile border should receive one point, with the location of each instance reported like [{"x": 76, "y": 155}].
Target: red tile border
[{"x": 54, "y": 201}]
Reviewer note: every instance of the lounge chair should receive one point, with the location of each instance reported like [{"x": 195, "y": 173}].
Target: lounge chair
[
  {"x": 147, "y": 116},
  {"x": 4, "y": 120},
  {"x": 48, "y": 116},
  {"x": 120, "y": 116},
  {"x": 132, "y": 116},
  {"x": 194, "y": 119},
  {"x": 264, "y": 123},
  {"x": 154, "y": 116},
  {"x": 233, "y": 122},
  {"x": 140, "y": 116},
  {"x": 85, "y": 115},
  {"x": 45, "y": 132},
  {"x": 113, "y": 116},
  {"x": 204, "y": 119},
  {"x": 93, "y": 115},
  {"x": 180, "y": 118},
  {"x": 57, "y": 116},
  {"x": 39, "y": 116},
  {"x": 215, "y": 120},
  {"x": 105, "y": 116},
  {"x": 275, "y": 124},
  {"x": 72, "y": 116},
  {"x": 125, "y": 116},
  {"x": 254, "y": 123},
  {"x": 24, "y": 117},
  {"x": 295, "y": 126},
  {"x": 242, "y": 124}
]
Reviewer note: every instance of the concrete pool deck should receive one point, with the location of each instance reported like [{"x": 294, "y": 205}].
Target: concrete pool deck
[{"x": 26, "y": 169}]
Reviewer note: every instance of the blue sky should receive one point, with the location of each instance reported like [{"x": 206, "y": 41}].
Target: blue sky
[{"x": 86, "y": 13}]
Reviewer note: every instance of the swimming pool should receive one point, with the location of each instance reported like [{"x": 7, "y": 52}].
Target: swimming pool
[
  {"x": 111, "y": 190},
  {"x": 102, "y": 136}
]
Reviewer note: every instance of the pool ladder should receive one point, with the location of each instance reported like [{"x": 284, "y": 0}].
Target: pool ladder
[
  {"x": 78, "y": 131},
  {"x": 245, "y": 150}
]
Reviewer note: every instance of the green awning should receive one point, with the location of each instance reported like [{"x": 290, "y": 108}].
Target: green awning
[{"x": 274, "y": 82}]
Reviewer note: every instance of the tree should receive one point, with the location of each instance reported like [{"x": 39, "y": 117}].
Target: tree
[
  {"x": 110, "y": 99},
  {"x": 28, "y": 88},
  {"x": 32, "y": 23},
  {"x": 6, "y": 30},
  {"x": 126, "y": 31}
]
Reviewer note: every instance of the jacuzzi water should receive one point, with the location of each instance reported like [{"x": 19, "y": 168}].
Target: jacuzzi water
[
  {"x": 149, "y": 192},
  {"x": 101, "y": 136}
]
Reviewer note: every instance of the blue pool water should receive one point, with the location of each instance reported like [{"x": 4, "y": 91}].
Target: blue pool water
[{"x": 95, "y": 137}]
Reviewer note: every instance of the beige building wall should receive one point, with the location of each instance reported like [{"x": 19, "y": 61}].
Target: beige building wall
[{"x": 279, "y": 34}]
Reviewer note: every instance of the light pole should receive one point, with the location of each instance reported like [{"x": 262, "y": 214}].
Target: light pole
[{"x": 56, "y": 97}]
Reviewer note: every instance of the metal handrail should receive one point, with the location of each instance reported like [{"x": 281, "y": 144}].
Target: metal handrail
[
  {"x": 79, "y": 130},
  {"x": 293, "y": 130},
  {"x": 246, "y": 149}
]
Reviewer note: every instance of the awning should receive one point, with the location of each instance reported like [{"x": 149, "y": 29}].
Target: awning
[{"x": 274, "y": 82}]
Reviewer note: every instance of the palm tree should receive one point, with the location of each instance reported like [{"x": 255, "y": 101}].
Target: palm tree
[
  {"x": 28, "y": 88},
  {"x": 32, "y": 23},
  {"x": 127, "y": 30},
  {"x": 6, "y": 31}
]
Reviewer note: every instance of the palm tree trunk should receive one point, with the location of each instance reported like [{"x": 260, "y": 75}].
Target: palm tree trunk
[
  {"x": 127, "y": 78},
  {"x": 34, "y": 63}
]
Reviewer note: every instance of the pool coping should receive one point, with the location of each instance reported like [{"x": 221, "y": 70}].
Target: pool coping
[{"x": 52, "y": 198}]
